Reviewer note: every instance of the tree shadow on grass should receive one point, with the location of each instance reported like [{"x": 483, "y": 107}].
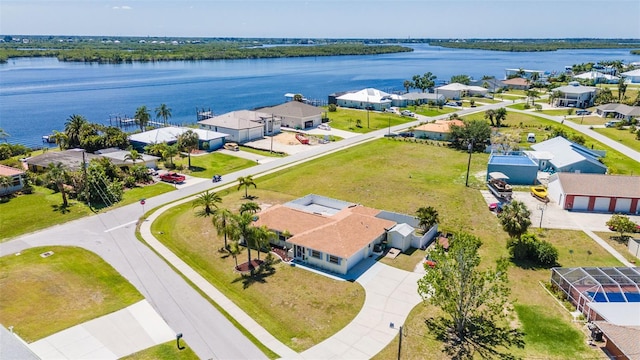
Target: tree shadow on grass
[
  {"x": 250, "y": 197},
  {"x": 61, "y": 208},
  {"x": 197, "y": 169},
  {"x": 526, "y": 264},
  {"x": 259, "y": 276}
]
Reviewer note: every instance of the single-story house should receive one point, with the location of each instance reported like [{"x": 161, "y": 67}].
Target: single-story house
[
  {"x": 621, "y": 341},
  {"x": 438, "y": 130},
  {"x": 527, "y": 74},
  {"x": 596, "y": 192},
  {"x": 417, "y": 98},
  {"x": 571, "y": 157},
  {"x": 335, "y": 235},
  {"x": 71, "y": 159},
  {"x": 296, "y": 115},
  {"x": 632, "y": 76},
  {"x": 17, "y": 179},
  {"x": 370, "y": 99},
  {"x": 117, "y": 158},
  {"x": 492, "y": 84},
  {"x": 456, "y": 91},
  {"x": 243, "y": 125},
  {"x": 598, "y": 77},
  {"x": 618, "y": 111},
  {"x": 541, "y": 158},
  {"x": 517, "y": 83},
  {"x": 520, "y": 169},
  {"x": 169, "y": 135},
  {"x": 575, "y": 95}
]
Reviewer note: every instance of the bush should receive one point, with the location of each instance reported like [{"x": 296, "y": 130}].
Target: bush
[
  {"x": 546, "y": 254},
  {"x": 528, "y": 247},
  {"x": 332, "y": 108},
  {"x": 527, "y": 106}
]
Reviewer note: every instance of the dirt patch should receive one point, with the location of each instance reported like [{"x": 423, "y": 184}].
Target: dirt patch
[{"x": 247, "y": 267}]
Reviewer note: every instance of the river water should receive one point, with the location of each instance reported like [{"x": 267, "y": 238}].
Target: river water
[{"x": 37, "y": 95}]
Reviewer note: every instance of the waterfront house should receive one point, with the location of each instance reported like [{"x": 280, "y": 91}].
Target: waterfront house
[
  {"x": 117, "y": 157},
  {"x": 492, "y": 84},
  {"x": 417, "y": 98},
  {"x": 336, "y": 235},
  {"x": 243, "y": 125},
  {"x": 575, "y": 95},
  {"x": 456, "y": 91},
  {"x": 438, "y": 130},
  {"x": 597, "y": 77},
  {"x": 369, "y": 99},
  {"x": 571, "y": 157},
  {"x": 517, "y": 83},
  {"x": 169, "y": 135},
  {"x": 618, "y": 111},
  {"x": 71, "y": 159},
  {"x": 632, "y": 76},
  {"x": 524, "y": 73},
  {"x": 17, "y": 180},
  {"x": 296, "y": 115}
]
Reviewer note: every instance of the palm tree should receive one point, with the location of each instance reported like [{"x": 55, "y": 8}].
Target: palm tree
[
  {"x": 298, "y": 97},
  {"x": 249, "y": 207},
  {"x": 246, "y": 181},
  {"x": 427, "y": 217},
  {"x": 142, "y": 117},
  {"x": 156, "y": 149},
  {"x": 73, "y": 129},
  {"x": 490, "y": 114},
  {"x": 263, "y": 237},
  {"x": 622, "y": 89},
  {"x": 5, "y": 183},
  {"x": 4, "y": 135},
  {"x": 222, "y": 221},
  {"x": 235, "y": 250},
  {"x": 532, "y": 94},
  {"x": 501, "y": 115},
  {"x": 133, "y": 155},
  {"x": 515, "y": 218},
  {"x": 164, "y": 112},
  {"x": 244, "y": 231},
  {"x": 57, "y": 174},
  {"x": 169, "y": 152},
  {"x": 61, "y": 139},
  {"x": 407, "y": 84},
  {"x": 188, "y": 141},
  {"x": 535, "y": 77},
  {"x": 208, "y": 200}
]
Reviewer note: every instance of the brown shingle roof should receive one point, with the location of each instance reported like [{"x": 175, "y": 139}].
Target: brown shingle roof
[
  {"x": 625, "y": 338},
  {"x": 600, "y": 185},
  {"x": 342, "y": 234},
  {"x": 9, "y": 171},
  {"x": 516, "y": 81},
  {"x": 440, "y": 126},
  {"x": 294, "y": 109}
]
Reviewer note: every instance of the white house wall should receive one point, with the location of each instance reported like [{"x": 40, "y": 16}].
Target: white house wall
[
  {"x": 623, "y": 205},
  {"x": 555, "y": 192}
]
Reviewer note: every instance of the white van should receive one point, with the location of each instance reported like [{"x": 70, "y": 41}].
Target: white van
[
  {"x": 612, "y": 123},
  {"x": 531, "y": 137}
]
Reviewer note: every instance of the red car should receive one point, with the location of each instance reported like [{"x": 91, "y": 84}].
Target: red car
[{"x": 172, "y": 177}]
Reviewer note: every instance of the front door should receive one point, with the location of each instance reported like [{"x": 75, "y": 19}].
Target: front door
[{"x": 299, "y": 252}]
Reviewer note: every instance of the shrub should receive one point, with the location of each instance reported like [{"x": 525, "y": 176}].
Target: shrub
[
  {"x": 546, "y": 254},
  {"x": 332, "y": 108},
  {"x": 528, "y": 247},
  {"x": 527, "y": 106}
]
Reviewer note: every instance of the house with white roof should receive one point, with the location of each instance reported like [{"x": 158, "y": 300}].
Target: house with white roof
[
  {"x": 598, "y": 77},
  {"x": 169, "y": 135},
  {"x": 370, "y": 99},
  {"x": 571, "y": 157},
  {"x": 296, "y": 115},
  {"x": 632, "y": 76},
  {"x": 509, "y": 73},
  {"x": 575, "y": 95},
  {"x": 417, "y": 98},
  {"x": 243, "y": 125},
  {"x": 618, "y": 111},
  {"x": 456, "y": 91}
]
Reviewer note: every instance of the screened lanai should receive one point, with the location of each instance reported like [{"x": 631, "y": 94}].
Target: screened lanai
[{"x": 586, "y": 285}]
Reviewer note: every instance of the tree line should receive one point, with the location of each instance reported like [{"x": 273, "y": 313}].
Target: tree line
[{"x": 533, "y": 45}]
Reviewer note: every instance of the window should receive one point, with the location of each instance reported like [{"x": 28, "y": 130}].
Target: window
[
  {"x": 333, "y": 259},
  {"x": 315, "y": 254}
]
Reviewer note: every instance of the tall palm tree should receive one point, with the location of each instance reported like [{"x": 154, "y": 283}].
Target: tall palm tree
[
  {"x": 73, "y": 129},
  {"x": 246, "y": 181},
  {"x": 622, "y": 89},
  {"x": 142, "y": 117},
  {"x": 501, "y": 115},
  {"x": 249, "y": 207},
  {"x": 532, "y": 94},
  {"x": 61, "y": 139},
  {"x": 164, "y": 112},
  {"x": 208, "y": 200},
  {"x": 222, "y": 220},
  {"x": 133, "y": 155},
  {"x": 5, "y": 183},
  {"x": 188, "y": 141},
  {"x": 235, "y": 250},
  {"x": 57, "y": 174},
  {"x": 263, "y": 237},
  {"x": 407, "y": 84},
  {"x": 515, "y": 218},
  {"x": 490, "y": 114},
  {"x": 244, "y": 231},
  {"x": 427, "y": 217}
]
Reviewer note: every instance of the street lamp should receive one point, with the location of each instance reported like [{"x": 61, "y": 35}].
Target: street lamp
[
  {"x": 541, "y": 207},
  {"x": 470, "y": 148}
]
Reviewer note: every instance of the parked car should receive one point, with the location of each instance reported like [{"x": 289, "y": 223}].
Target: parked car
[
  {"x": 407, "y": 113},
  {"x": 611, "y": 123},
  {"x": 406, "y": 134},
  {"x": 231, "y": 146},
  {"x": 497, "y": 207},
  {"x": 583, "y": 112},
  {"x": 390, "y": 110},
  {"x": 324, "y": 127},
  {"x": 173, "y": 177}
]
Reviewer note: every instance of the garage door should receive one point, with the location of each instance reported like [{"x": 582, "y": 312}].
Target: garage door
[
  {"x": 623, "y": 206},
  {"x": 580, "y": 203},
  {"x": 602, "y": 204}
]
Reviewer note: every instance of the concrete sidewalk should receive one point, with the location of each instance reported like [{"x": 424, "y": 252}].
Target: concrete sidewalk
[{"x": 112, "y": 336}]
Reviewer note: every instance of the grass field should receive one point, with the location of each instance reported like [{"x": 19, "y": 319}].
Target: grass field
[
  {"x": 400, "y": 176},
  {"x": 43, "y": 208},
  {"x": 588, "y": 120},
  {"x": 41, "y": 296},
  {"x": 624, "y": 136},
  {"x": 557, "y": 112},
  {"x": 621, "y": 246},
  {"x": 166, "y": 351},
  {"x": 347, "y": 119},
  {"x": 432, "y": 111},
  {"x": 207, "y": 165}
]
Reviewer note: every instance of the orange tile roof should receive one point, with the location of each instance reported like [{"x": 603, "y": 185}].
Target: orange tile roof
[
  {"x": 440, "y": 126},
  {"x": 9, "y": 171},
  {"x": 516, "y": 81},
  {"x": 342, "y": 234}
]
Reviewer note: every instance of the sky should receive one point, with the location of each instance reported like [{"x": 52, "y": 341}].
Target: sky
[{"x": 324, "y": 18}]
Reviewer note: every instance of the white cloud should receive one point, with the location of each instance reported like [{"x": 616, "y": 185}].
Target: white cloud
[{"x": 124, "y": 7}]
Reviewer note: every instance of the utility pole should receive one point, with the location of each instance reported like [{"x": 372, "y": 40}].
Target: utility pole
[
  {"x": 470, "y": 148},
  {"x": 400, "y": 343},
  {"x": 86, "y": 182}
]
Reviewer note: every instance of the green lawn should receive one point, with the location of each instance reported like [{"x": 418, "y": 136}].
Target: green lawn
[
  {"x": 205, "y": 166},
  {"x": 623, "y": 136},
  {"x": 557, "y": 112},
  {"x": 520, "y": 106},
  {"x": 260, "y": 151},
  {"x": 432, "y": 111},
  {"x": 30, "y": 212},
  {"x": 588, "y": 120},
  {"x": 41, "y": 296},
  {"x": 165, "y": 351},
  {"x": 347, "y": 119},
  {"x": 621, "y": 246}
]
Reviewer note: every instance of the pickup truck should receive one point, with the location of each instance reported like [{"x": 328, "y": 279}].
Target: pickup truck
[{"x": 172, "y": 177}]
